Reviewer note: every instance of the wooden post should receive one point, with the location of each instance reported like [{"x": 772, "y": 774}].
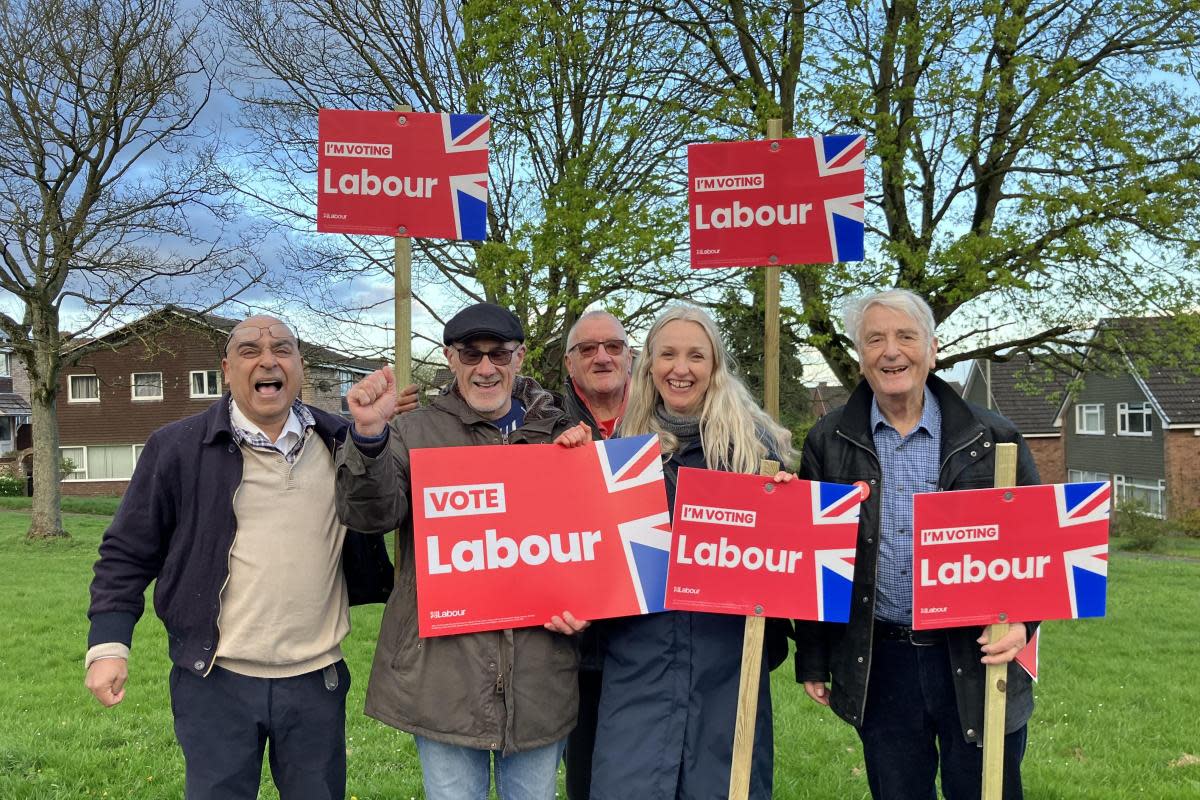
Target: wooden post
[
  {"x": 771, "y": 292},
  {"x": 403, "y": 362},
  {"x": 403, "y": 275},
  {"x": 995, "y": 698},
  {"x": 752, "y": 643},
  {"x": 747, "y": 708}
]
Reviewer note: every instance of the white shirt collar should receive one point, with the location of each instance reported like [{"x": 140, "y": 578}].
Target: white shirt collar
[{"x": 293, "y": 429}]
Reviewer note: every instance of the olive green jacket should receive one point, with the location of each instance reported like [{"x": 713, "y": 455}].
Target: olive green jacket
[{"x": 509, "y": 690}]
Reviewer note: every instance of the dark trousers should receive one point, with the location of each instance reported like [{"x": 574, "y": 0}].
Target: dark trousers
[
  {"x": 582, "y": 740},
  {"x": 224, "y": 721},
  {"x": 911, "y": 726}
]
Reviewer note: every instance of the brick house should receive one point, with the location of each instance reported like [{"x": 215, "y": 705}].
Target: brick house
[
  {"x": 1135, "y": 425},
  {"x": 1138, "y": 425},
  {"x": 1029, "y": 395},
  {"x": 159, "y": 369},
  {"x": 14, "y": 398}
]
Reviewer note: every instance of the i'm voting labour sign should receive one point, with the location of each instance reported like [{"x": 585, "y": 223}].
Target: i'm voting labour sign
[
  {"x": 507, "y": 536},
  {"x": 1010, "y": 555},
  {"x": 743, "y": 544}
]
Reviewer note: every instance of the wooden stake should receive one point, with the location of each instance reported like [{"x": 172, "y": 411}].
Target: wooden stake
[
  {"x": 403, "y": 363},
  {"x": 747, "y": 709},
  {"x": 771, "y": 292},
  {"x": 995, "y": 698},
  {"x": 403, "y": 273}
]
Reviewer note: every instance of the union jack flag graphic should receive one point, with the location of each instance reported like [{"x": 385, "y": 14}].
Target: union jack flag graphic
[
  {"x": 630, "y": 461},
  {"x": 627, "y": 463},
  {"x": 1087, "y": 567},
  {"x": 465, "y": 133},
  {"x": 837, "y": 155},
  {"x": 835, "y": 579},
  {"x": 834, "y": 503},
  {"x": 1079, "y": 503}
]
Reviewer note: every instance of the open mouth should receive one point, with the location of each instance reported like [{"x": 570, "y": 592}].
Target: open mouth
[
  {"x": 894, "y": 370},
  {"x": 268, "y": 388},
  {"x": 486, "y": 384},
  {"x": 681, "y": 385}
]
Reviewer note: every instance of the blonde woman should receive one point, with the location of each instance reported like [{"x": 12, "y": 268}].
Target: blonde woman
[{"x": 669, "y": 698}]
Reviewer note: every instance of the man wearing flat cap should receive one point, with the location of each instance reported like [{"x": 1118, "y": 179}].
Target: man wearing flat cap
[{"x": 510, "y": 696}]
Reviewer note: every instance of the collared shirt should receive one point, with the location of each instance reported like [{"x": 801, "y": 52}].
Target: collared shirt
[
  {"x": 909, "y": 465},
  {"x": 291, "y": 439}
]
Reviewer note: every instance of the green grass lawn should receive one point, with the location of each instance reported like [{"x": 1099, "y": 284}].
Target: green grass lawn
[{"x": 1116, "y": 705}]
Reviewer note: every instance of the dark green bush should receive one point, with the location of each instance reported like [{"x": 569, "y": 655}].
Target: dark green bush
[{"x": 1140, "y": 531}]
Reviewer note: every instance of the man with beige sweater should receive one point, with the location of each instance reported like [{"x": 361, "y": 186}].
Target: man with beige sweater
[{"x": 232, "y": 511}]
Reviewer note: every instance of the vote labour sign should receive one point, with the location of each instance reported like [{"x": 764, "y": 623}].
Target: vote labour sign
[
  {"x": 782, "y": 201},
  {"x": 1027, "y": 552},
  {"x": 400, "y": 173},
  {"x": 507, "y": 536},
  {"x": 743, "y": 544}
]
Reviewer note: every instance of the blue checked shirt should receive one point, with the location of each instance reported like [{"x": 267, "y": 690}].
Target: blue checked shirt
[{"x": 909, "y": 465}]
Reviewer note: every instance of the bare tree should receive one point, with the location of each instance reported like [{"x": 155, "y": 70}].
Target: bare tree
[
  {"x": 588, "y": 128},
  {"x": 105, "y": 181}
]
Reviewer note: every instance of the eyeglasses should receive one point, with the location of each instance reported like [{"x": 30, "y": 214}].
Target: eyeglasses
[
  {"x": 248, "y": 334},
  {"x": 470, "y": 356},
  {"x": 614, "y": 347}
]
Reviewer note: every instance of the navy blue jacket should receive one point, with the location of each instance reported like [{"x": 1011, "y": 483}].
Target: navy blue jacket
[
  {"x": 669, "y": 700},
  {"x": 176, "y": 524}
]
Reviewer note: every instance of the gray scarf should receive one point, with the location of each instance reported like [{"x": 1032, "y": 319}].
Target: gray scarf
[{"x": 685, "y": 429}]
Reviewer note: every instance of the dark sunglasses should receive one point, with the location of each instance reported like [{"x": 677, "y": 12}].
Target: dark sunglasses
[
  {"x": 614, "y": 347},
  {"x": 470, "y": 356}
]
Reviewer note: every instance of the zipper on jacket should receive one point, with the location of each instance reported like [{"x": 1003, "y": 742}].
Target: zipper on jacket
[
  {"x": 862, "y": 709},
  {"x": 499, "y": 683}
]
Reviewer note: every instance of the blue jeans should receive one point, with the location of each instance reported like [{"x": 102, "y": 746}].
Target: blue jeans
[
  {"x": 464, "y": 773},
  {"x": 911, "y": 726}
]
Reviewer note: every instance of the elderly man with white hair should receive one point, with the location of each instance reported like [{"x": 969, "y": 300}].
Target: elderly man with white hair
[{"x": 915, "y": 697}]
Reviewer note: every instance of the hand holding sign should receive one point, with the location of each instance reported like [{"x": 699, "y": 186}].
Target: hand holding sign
[{"x": 1005, "y": 648}]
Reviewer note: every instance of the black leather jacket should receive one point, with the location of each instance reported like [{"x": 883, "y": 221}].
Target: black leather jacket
[{"x": 840, "y": 448}]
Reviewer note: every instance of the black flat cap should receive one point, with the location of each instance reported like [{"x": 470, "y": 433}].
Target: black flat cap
[{"x": 483, "y": 319}]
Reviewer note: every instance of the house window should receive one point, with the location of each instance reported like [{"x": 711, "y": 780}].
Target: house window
[
  {"x": 345, "y": 381},
  {"x": 83, "y": 389},
  {"x": 78, "y": 458},
  {"x": 147, "y": 385},
  {"x": 1134, "y": 419},
  {"x": 206, "y": 383},
  {"x": 101, "y": 462},
  {"x": 1089, "y": 419},
  {"x": 1083, "y": 476},
  {"x": 5, "y": 364},
  {"x": 1149, "y": 496}
]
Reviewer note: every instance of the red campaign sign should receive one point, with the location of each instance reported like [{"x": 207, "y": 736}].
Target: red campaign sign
[
  {"x": 1028, "y": 552},
  {"x": 401, "y": 173},
  {"x": 771, "y": 202},
  {"x": 743, "y": 544},
  {"x": 506, "y": 536}
]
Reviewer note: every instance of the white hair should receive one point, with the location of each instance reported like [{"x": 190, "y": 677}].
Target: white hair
[{"x": 902, "y": 300}]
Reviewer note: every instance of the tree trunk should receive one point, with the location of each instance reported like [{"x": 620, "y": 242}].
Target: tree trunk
[{"x": 43, "y": 378}]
